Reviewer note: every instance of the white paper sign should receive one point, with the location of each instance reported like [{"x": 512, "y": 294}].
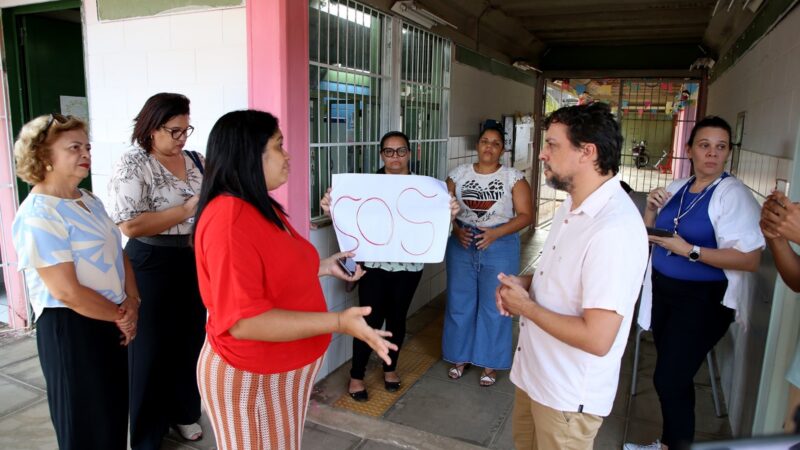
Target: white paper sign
[{"x": 390, "y": 217}]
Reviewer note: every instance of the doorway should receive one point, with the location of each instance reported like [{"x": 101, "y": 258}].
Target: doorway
[{"x": 44, "y": 60}]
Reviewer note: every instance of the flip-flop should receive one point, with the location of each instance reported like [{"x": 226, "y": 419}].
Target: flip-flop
[
  {"x": 488, "y": 378},
  {"x": 457, "y": 371}
]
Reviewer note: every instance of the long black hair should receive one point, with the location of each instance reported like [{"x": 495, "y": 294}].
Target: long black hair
[{"x": 234, "y": 165}]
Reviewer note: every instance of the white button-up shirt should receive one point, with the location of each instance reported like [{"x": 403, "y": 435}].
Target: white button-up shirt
[{"x": 593, "y": 258}]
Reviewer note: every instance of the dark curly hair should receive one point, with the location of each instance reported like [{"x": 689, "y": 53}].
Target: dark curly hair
[{"x": 592, "y": 123}]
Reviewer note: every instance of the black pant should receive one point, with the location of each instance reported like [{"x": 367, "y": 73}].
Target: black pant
[
  {"x": 85, "y": 369},
  {"x": 170, "y": 334},
  {"x": 389, "y": 294},
  {"x": 688, "y": 320}
]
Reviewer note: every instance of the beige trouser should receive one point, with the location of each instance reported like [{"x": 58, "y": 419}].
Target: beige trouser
[{"x": 538, "y": 427}]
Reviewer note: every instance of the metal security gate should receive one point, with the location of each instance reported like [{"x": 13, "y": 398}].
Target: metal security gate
[
  {"x": 656, "y": 116},
  {"x": 362, "y": 86}
]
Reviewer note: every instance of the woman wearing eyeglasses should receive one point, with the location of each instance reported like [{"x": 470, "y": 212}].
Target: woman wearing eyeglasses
[
  {"x": 80, "y": 283},
  {"x": 495, "y": 204},
  {"x": 154, "y": 189},
  {"x": 699, "y": 279},
  {"x": 387, "y": 287}
]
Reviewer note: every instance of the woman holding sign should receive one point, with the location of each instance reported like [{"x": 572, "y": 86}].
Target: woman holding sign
[
  {"x": 495, "y": 204},
  {"x": 268, "y": 327},
  {"x": 388, "y": 287}
]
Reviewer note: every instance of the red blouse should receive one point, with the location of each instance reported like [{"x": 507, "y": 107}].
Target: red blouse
[{"x": 246, "y": 266}]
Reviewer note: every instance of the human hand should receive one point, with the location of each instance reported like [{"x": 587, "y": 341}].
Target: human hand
[
  {"x": 330, "y": 266},
  {"x": 657, "y": 198},
  {"x": 511, "y": 295},
  {"x": 129, "y": 316},
  {"x": 780, "y": 218},
  {"x": 454, "y": 208},
  {"x": 464, "y": 235},
  {"x": 485, "y": 239},
  {"x": 190, "y": 206},
  {"x": 674, "y": 244},
  {"x": 351, "y": 322},
  {"x": 325, "y": 202}
]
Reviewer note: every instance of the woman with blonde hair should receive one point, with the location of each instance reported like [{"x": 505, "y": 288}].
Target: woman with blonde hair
[{"x": 80, "y": 284}]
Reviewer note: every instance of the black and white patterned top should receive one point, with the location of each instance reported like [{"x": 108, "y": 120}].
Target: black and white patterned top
[
  {"x": 142, "y": 184},
  {"x": 485, "y": 199}
]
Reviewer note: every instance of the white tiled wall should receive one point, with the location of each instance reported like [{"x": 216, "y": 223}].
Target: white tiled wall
[
  {"x": 760, "y": 171},
  {"x": 763, "y": 84},
  {"x": 202, "y": 55}
]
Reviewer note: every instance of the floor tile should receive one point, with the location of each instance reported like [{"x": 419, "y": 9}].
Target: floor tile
[
  {"x": 16, "y": 396},
  {"x": 318, "y": 437},
  {"x": 30, "y": 428},
  {"x": 17, "y": 351},
  {"x": 28, "y": 370},
  {"x": 431, "y": 405}
]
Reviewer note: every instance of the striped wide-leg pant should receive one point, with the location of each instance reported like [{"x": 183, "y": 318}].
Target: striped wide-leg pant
[{"x": 254, "y": 411}]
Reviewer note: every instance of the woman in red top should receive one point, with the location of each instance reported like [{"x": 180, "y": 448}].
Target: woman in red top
[{"x": 268, "y": 325}]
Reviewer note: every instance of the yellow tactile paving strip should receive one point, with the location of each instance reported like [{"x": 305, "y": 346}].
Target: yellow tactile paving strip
[{"x": 419, "y": 353}]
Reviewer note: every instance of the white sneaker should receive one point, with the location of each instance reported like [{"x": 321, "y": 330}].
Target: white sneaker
[{"x": 654, "y": 446}]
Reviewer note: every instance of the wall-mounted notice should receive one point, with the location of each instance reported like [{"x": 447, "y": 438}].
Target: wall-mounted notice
[{"x": 397, "y": 218}]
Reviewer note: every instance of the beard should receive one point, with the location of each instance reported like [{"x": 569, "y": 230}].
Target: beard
[{"x": 558, "y": 182}]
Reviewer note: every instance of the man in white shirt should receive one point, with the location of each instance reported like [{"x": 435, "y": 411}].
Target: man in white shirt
[{"x": 576, "y": 309}]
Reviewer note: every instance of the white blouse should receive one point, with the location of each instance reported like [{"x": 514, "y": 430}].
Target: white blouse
[
  {"x": 50, "y": 230},
  {"x": 142, "y": 184},
  {"x": 734, "y": 215},
  {"x": 485, "y": 199}
]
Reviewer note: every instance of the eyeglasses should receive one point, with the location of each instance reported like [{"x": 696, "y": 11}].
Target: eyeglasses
[
  {"x": 390, "y": 152},
  {"x": 55, "y": 117},
  {"x": 176, "y": 133}
]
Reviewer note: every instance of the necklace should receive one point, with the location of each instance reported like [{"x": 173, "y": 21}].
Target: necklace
[{"x": 694, "y": 202}]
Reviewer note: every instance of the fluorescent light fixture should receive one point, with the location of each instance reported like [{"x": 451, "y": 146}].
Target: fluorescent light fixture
[
  {"x": 414, "y": 12},
  {"x": 344, "y": 11},
  {"x": 525, "y": 66}
]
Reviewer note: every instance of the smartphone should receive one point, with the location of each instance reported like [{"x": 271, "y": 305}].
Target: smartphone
[
  {"x": 660, "y": 232},
  {"x": 782, "y": 185},
  {"x": 348, "y": 264}
]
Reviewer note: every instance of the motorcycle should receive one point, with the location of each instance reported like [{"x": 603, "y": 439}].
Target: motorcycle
[{"x": 640, "y": 157}]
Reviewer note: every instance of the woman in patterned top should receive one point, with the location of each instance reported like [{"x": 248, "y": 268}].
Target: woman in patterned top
[
  {"x": 388, "y": 287},
  {"x": 495, "y": 204},
  {"x": 80, "y": 284},
  {"x": 154, "y": 188}
]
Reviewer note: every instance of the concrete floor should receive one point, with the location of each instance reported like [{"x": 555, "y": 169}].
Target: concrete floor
[{"x": 433, "y": 413}]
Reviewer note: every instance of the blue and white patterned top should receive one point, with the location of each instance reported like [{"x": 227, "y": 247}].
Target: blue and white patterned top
[{"x": 50, "y": 230}]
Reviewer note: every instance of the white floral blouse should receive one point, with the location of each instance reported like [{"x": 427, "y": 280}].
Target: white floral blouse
[{"x": 142, "y": 184}]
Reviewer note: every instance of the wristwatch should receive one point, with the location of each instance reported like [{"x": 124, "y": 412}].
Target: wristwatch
[{"x": 694, "y": 254}]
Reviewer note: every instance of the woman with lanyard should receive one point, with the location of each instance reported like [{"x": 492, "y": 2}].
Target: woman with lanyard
[
  {"x": 154, "y": 196},
  {"x": 699, "y": 274}
]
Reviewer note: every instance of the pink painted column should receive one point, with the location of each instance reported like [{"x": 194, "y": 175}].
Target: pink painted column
[
  {"x": 277, "y": 65},
  {"x": 15, "y": 287}
]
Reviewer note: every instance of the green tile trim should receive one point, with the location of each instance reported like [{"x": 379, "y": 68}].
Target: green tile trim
[
  {"x": 770, "y": 15},
  {"x": 486, "y": 64}
]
